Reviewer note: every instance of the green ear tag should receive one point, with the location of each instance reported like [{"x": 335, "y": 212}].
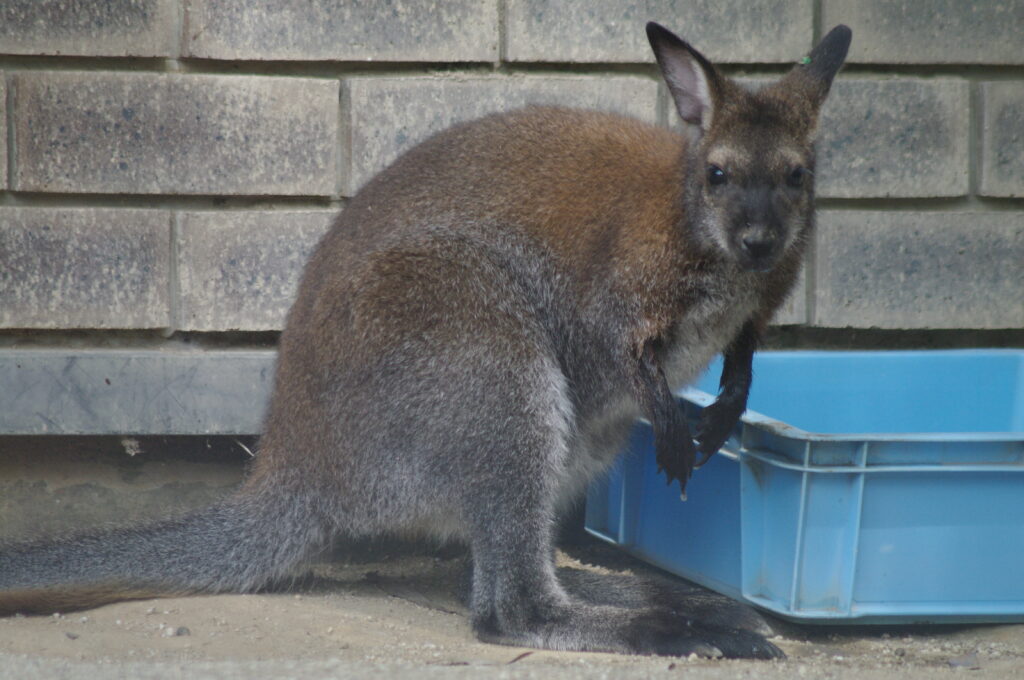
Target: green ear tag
[{"x": 805, "y": 61}]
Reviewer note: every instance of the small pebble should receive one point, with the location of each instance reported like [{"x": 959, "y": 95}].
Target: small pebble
[
  {"x": 180, "y": 631},
  {"x": 72, "y": 636}
]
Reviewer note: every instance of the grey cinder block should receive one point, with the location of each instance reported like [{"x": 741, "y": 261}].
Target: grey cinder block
[
  {"x": 919, "y": 269},
  {"x": 162, "y": 391},
  {"x": 613, "y": 31},
  {"x": 55, "y": 485},
  {"x": 3, "y": 131},
  {"x": 794, "y": 310},
  {"x": 902, "y": 138},
  {"x": 930, "y": 31},
  {"x": 1002, "y": 139},
  {"x": 95, "y": 132},
  {"x": 340, "y": 30},
  {"x": 390, "y": 115},
  {"x": 84, "y": 268},
  {"x": 239, "y": 270},
  {"x": 113, "y": 28}
]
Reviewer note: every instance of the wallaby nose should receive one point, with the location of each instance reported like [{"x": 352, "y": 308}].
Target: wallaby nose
[{"x": 757, "y": 245}]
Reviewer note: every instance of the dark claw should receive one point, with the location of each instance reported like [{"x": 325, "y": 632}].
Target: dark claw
[
  {"x": 705, "y": 456},
  {"x": 740, "y": 644},
  {"x": 669, "y": 635}
]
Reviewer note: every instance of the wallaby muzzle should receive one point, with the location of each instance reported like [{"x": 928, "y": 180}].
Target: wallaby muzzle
[{"x": 758, "y": 248}]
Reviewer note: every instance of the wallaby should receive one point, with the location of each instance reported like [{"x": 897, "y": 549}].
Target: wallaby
[{"x": 472, "y": 342}]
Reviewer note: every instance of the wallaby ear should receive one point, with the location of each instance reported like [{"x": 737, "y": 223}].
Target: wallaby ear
[
  {"x": 816, "y": 71},
  {"x": 691, "y": 79}
]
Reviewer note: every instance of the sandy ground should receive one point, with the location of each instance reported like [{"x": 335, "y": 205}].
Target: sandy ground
[
  {"x": 398, "y": 617},
  {"x": 383, "y": 612}
]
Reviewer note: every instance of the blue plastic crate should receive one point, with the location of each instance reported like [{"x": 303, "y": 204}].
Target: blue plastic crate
[{"x": 867, "y": 487}]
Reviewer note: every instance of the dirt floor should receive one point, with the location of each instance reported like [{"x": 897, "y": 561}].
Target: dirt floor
[
  {"x": 381, "y": 611},
  {"x": 398, "y": 617}
]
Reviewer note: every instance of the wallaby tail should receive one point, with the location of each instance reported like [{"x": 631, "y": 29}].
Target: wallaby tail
[{"x": 240, "y": 544}]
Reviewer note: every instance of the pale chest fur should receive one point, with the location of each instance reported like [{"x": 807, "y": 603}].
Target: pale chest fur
[
  {"x": 703, "y": 332},
  {"x": 709, "y": 326}
]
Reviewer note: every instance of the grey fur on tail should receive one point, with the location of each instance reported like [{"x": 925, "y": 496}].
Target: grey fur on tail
[{"x": 243, "y": 543}]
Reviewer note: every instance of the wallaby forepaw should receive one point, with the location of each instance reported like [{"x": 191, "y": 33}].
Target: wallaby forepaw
[
  {"x": 677, "y": 461},
  {"x": 713, "y": 429}
]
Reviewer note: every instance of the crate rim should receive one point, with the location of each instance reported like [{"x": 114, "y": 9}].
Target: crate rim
[{"x": 787, "y": 431}]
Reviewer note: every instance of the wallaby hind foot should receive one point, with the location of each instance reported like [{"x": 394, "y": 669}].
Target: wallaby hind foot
[
  {"x": 582, "y": 611},
  {"x": 656, "y": 592}
]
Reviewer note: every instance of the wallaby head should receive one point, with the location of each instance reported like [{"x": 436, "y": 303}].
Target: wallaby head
[{"x": 750, "y": 174}]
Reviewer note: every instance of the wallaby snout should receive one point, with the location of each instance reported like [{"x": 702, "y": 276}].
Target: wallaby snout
[
  {"x": 759, "y": 231},
  {"x": 753, "y": 219},
  {"x": 758, "y": 248}
]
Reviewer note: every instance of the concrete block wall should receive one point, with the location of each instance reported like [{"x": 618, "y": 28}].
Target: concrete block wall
[{"x": 167, "y": 165}]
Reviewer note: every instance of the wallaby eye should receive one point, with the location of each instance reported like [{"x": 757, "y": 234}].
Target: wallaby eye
[
  {"x": 796, "y": 176},
  {"x": 716, "y": 176}
]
